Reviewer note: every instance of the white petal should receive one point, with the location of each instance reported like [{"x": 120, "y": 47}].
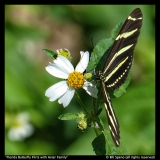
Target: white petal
[
  {"x": 56, "y": 91},
  {"x": 12, "y": 134},
  {"x": 64, "y": 63},
  {"x": 28, "y": 130},
  {"x": 57, "y": 51},
  {"x": 67, "y": 97},
  {"x": 23, "y": 117},
  {"x": 21, "y": 131},
  {"x": 90, "y": 89},
  {"x": 57, "y": 71},
  {"x": 83, "y": 63}
]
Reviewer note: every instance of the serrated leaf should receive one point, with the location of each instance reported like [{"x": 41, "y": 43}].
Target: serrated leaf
[
  {"x": 111, "y": 149},
  {"x": 99, "y": 145},
  {"x": 67, "y": 116},
  {"x": 116, "y": 30},
  {"x": 50, "y": 53},
  {"x": 102, "y": 48},
  {"x": 98, "y": 51}
]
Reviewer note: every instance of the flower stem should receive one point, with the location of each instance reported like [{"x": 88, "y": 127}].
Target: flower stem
[
  {"x": 81, "y": 103},
  {"x": 94, "y": 105}
]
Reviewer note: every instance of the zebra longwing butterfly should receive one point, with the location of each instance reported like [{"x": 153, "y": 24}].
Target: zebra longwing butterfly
[{"x": 117, "y": 66}]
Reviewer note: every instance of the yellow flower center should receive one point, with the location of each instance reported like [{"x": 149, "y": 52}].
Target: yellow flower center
[
  {"x": 76, "y": 80},
  {"x": 65, "y": 53}
]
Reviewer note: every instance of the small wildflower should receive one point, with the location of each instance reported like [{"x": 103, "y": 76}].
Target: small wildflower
[
  {"x": 65, "y": 53},
  {"x": 81, "y": 115},
  {"x": 21, "y": 128},
  {"x": 82, "y": 124},
  {"x": 72, "y": 79}
]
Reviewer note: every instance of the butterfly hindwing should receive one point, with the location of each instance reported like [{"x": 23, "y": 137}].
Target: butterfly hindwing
[{"x": 112, "y": 120}]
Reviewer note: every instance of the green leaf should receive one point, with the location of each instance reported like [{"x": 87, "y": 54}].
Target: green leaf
[
  {"x": 102, "y": 48},
  {"x": 50, "y": 53},
  {"x": 116, "y": 30},
  {"x": 111, "y": 149},
  {"x": 98, "y": 51},
  {"x": 99, "y": 145},
  {"x": 67, "y": 116}
]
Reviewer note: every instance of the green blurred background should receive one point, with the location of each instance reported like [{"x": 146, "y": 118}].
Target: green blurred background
[{"x": 31, "y": 28}]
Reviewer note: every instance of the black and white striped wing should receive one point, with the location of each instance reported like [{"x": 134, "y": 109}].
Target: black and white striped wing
[
  {"x": 112, "y": 120},
  {"x": 118, "y": 64},
  {"x": 120, "y": 57}
]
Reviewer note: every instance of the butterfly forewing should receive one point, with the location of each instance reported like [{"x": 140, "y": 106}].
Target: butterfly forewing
[
  {"x": 119, "y": 59},
  {"x": 118, "y": 64}
]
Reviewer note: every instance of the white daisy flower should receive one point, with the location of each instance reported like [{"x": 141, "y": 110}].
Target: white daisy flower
[
  {"x": 21, "y": 128},
  {"x": 74, "y": 79}
]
